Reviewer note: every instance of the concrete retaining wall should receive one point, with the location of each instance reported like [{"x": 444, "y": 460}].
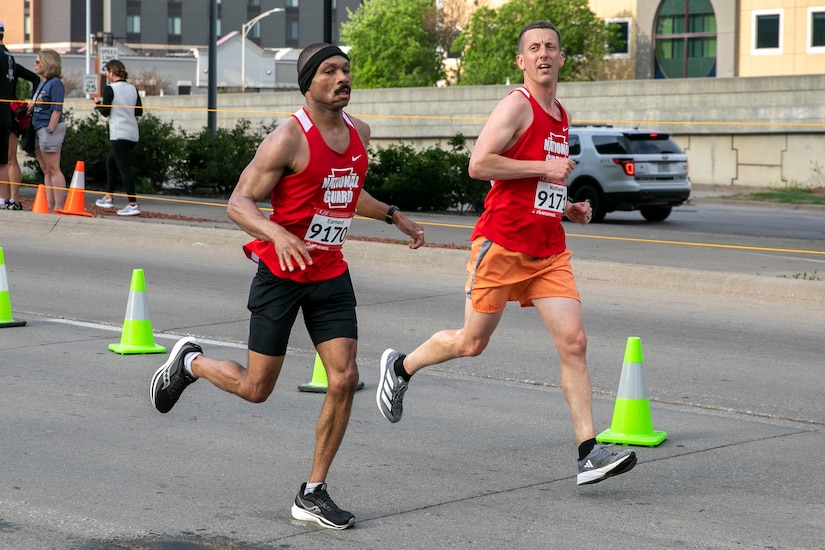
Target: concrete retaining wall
[{"x": 766, "y": 131}]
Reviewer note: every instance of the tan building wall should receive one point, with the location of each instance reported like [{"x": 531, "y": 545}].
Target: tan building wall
[{"x": 793, "y": 57}]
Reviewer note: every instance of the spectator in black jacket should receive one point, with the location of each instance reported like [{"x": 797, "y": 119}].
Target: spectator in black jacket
[{"x": 10, "y": 192}]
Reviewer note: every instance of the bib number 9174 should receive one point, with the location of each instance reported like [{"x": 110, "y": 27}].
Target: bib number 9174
[{"x": 550, "y": 197}]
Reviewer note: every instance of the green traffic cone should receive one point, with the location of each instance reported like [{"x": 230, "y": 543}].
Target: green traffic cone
[
  {"x": 137, "y": 337},
  {"x": 632, "y": 424},
  {"x": 319, "y": 382},
  {"x": 6, "y": 319}
]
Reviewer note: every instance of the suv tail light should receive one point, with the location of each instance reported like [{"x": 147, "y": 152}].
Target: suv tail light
[{"x": 627, "y": 165}]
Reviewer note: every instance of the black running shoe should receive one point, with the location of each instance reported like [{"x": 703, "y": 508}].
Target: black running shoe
[
  {"x": 602, "y": 463},
  {"x": 171, "y": 379},
  {"x": 318, "y": 507},
  {"x": 14, "y": 205}
]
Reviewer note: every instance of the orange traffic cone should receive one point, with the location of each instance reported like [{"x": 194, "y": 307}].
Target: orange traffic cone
[
  {"x": 41, "y": 204},
  {"x": 76, "y": 200},
  {"x": 6, "y": 320},
  {"x": 137, "y": 337}
]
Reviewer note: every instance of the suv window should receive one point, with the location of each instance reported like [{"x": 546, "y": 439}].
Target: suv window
[
  {"x": 575, "y": 145},
  {"x": 636, "y": 144}
]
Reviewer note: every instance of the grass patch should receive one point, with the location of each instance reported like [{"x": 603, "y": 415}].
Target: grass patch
[{"x": 788, "y": 195}]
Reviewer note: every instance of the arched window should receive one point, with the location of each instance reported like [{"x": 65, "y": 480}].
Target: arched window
[{"x": 685, "y": 39}]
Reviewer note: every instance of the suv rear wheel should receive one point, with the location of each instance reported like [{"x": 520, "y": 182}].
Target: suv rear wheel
[
  {"x": 655, "y": 213},
  {"x": 590, "y": 192}
]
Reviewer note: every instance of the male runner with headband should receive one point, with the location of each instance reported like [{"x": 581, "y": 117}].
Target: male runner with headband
[{"x": 312, "y": 168}]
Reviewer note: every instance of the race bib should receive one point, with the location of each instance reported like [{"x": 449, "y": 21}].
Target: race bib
[
  {"x": 328, "y": 231},
  {"x": 550, "y": 198}
]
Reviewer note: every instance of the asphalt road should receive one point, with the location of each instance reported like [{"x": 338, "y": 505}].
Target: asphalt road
[{"x": 484, "y": 456}]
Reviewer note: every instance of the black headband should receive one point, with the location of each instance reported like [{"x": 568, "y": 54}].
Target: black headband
[{"x": 306, "y": 74}]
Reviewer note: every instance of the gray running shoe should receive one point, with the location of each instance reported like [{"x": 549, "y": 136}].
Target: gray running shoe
[
  {"x": 171, "y": 379},
  {"x": 602, "y": 463},
  {"x": 391, "y": 388},
  {"x": 318, "y": 507}
]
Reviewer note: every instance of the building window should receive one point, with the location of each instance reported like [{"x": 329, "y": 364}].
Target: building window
[
  {"x": 292, "y": 34},
  {"x": 173, "y": 26},
  {"x": 133, "y": 24},
  {"x": 618, "y": 42},
  {"x": 292, "y": 3},
  {"x": 767, "y": 32},
  {"x": 685, "y": 39},
  {"x": 816, "y": 30}
]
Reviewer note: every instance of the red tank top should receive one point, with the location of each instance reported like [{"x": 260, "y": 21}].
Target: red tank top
[
  {"x": 524, "y": 215},
  {"x": 317, "y": 204}
]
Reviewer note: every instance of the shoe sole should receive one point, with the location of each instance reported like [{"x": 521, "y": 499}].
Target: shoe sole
[
  {"x": 384, "y": 358},
  {"x": 106, "y": 206},
  {"x": 617, "y": 468},
  {"x": 303, "y": 515},
  {"x": 129, "y": 214},
  {"x": 159, "y": 373}
]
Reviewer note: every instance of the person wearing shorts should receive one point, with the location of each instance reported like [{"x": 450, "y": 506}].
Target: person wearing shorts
[
  {"x": 519, "y": 251},
  {"x": 47, "y": 120},
  {"x": 298, "y": 249}
]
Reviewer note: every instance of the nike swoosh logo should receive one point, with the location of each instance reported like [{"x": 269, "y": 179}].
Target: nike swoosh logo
[
  {"x": 564, "y": 129},
  {"x": 356, "y": 158}
]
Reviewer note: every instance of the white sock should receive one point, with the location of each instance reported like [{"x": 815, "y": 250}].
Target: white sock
[
  {"x": 187, "y": 362},
  {"x": 2, "y": 202},
  {"x": 311, "y": 487}
]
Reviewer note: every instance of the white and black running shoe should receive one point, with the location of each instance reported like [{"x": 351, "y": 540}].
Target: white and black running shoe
[
  {"x": 601, "y": 463},
  {"x": 171, "y": 379},
  {"x": 391, "y": 388},
  {"x": 317, "y": 506}
]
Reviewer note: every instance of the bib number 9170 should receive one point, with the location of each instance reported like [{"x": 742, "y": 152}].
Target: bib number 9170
[{"x": 327, "y": 231}]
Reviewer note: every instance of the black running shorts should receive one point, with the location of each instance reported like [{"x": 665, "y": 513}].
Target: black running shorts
[{"x": 328, "y": 309}]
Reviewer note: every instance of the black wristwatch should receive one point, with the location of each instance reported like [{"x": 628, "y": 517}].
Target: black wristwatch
[{"x": 390, "y": 212}]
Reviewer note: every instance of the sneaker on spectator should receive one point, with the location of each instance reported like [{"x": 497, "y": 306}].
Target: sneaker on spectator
[
  {"x": 14, "y": 205},
  {"x": 129, "y": 210},
  {"x": 318, "y": 507},
  {"x": 105, "y": 202},
  {"x": 601, "y": 463}
]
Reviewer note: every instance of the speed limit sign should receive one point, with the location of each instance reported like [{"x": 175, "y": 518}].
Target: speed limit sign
[
  {"x": 107, "y": 53},
  {"x": 90, "y": 84}
]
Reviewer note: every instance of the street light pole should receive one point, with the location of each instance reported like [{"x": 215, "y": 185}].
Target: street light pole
[{"x": 245, "y": 28}]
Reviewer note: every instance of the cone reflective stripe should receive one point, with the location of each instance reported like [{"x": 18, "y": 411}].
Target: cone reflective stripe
[
  {"x": 137, "y": 334},
  {"x": 319, "y": 382},
  {"x": 76, "y": 199},
  {"x": 632, "y": 424},
  {"x": 6, "y": 319}
]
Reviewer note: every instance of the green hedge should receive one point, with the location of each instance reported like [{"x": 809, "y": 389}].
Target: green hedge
[{"x": 210, "y": 163}]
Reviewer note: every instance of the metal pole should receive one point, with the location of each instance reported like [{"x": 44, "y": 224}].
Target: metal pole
[
  {"x": 88, "y": 38},
  {"x": 328, "y": 21},
  {"x": 243, "y": 57},
  {"x": 212, "y": 99},
  {"x": 245, "y": 28}
]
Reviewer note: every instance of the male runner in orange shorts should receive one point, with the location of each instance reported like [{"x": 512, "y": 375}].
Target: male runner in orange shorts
[{"x": 518, "y": 248}]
